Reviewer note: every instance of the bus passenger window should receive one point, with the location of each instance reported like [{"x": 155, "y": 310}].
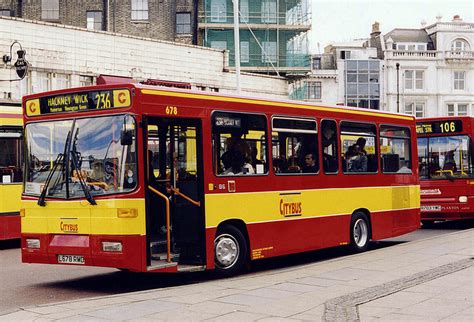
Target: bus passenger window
[
  {"x": 395, "y": 149},
  {"x": 359, "y": 151},
  {"x": 329, "y": 146},
  {"x": 239, "y": 144},
  {"x": 294, "y": 146}
]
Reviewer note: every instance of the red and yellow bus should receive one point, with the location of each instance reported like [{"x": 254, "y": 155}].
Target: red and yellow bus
[
  {"x": 445, "y": 154},
  {"x": 11, "y": 169},
  {"x": 147, "y": 179}
]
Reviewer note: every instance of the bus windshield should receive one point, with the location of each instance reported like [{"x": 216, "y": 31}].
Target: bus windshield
[
  {"x": 92, "y": 156},
  {"x": 446, "y": 157}
]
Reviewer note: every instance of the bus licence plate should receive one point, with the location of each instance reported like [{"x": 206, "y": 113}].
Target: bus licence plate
[
  {"x": 430, "y": 208},
  {"x": 71, "y": 259}
]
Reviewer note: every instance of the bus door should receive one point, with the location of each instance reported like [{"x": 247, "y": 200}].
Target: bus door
[{"x": 175, "y": 216}]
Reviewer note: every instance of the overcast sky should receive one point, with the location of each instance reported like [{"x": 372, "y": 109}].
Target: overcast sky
[{"x": 345, "y": 20}]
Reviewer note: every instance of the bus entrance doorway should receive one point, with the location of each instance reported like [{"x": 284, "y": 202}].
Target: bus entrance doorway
[{"x": 175, "y": 216}]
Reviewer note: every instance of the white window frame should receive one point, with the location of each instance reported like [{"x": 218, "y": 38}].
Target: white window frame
[
  {"x": 315, "y": 90},
  {"x": 183, "y": 28},
  {"x": 244, "y": 10},
  {"x": 415, "y": 108},
  {"x": 269, "y": 52},
  {"x": 218, "y": 11},
  {"x": 139, "y": 10},
  {"x": 244, "y": 52},
  {"x": 43, "y": 82},
  {"x": 459, "y": 80},
  {"x": 452, "y": 109},
  {"x": 62, "y": 81},
  {"x": 269, "y": 11},
  {"x": 411, "y": 46},
  {"x": 92, "y": 22},
  {"x": 50, "y": 9},
  {"x": 463, "y": 45},
  {"x": 414, "y": 79}
]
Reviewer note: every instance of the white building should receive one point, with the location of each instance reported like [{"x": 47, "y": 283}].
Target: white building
[
  {"x": 435, "y": 75},
  {"x": 62, "y": 56},
  {"x": 435, "y": 69}
]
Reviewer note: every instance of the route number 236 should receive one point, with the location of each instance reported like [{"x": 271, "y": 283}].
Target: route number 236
[{"x": 171, "y": 110}]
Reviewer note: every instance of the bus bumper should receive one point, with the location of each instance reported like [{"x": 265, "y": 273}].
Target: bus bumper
[
  {"x": 86, "y": 250},
  {"x": 446, "y": 211}
]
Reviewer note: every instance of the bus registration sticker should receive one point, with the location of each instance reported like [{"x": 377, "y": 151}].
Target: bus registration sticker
[
  {"x": 71, "y": 259},
  {"x": 430, "y": 208}
]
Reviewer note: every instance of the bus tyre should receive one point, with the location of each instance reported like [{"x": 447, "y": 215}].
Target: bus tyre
[
  {"x": 360, "y": 232},
  {"x": 230, "y": 251}
]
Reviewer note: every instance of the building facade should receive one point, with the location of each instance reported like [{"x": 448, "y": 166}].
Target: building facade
[
  {"x": 273, "y": 33},
  {"x": 425, "y": 72},
  {"x": 60, "y": 57},
  {"x": 171, "y": 20},
  {"x": 430, "y": 71}
]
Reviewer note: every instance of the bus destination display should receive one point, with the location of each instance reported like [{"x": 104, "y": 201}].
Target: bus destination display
[
  {"x": 443, "y": 127},
  {"x": 78, "y": 102}
]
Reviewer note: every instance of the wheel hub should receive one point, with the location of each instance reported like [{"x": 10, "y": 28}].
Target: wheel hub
[{"x": 226, "y": 250}]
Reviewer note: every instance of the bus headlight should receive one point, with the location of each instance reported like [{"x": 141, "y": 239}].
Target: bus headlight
[
  {"x": 115, "y": 247},
  {"x": 463, "y": 199},
  {"x": 33, "y": 243}
]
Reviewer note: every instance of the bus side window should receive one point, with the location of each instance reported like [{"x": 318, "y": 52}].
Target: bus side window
[
  {"x": 329, "y": 146},
  {"x": 395, "y": 149},
  {"x": 239, "y": 143},
  {"x": 359, "y": 149},
  {"x": 294, "y": 145}
]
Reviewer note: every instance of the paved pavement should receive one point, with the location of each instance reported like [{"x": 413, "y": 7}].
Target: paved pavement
[{"x": 430, "y": 280}]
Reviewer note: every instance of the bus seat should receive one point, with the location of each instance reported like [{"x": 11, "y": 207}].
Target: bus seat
[{"x": 390, "y": 162}]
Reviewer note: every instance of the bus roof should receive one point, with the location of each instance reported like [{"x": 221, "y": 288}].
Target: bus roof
[{"x": 231, "y": 98}]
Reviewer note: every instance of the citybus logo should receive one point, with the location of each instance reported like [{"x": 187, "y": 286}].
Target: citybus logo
[
  {"x": 69, "y": 228},
  {"x": 289, "y": 209}
]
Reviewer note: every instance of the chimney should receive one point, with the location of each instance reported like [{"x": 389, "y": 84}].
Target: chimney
[
  {"x": 375, "y": 29},
  {"x": 457, "y": 18}
]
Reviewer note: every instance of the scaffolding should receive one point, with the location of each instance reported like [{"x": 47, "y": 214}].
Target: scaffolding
[{"x": 273, "y": 33}]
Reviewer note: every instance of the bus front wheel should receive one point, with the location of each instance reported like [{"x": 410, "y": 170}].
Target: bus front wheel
[
  {"x": 230, "y": 251},
  {"x": 360, "y": 232}
]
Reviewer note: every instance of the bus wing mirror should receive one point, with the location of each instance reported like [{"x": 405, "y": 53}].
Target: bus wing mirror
[{"x": 126, "y": 137}]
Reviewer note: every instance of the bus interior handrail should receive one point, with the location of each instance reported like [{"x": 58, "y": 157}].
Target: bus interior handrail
[
  {"x": 194, "y": 202},
  {"x": 168, "y": 235}
]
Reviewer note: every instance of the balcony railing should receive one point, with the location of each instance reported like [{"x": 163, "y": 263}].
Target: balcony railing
[
  {"x": 458, "y": 54},
  {"x": 289, "y": 60},
  {"x": 414, "y": 54},
  {"x": 302, "y": 19}
]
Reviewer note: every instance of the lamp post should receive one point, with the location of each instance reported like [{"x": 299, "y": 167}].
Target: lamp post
[
  {"x": 21, "y": 64},
  {"x": 398, "y": 87}
]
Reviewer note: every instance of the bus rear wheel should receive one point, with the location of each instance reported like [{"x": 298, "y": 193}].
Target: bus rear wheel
[
  {"x": 360, "y": 232},
  {"x": 230, "y": 251}
]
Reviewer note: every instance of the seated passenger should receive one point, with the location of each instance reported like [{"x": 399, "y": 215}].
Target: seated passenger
[
  {"x": 309, "y": 164},
  {"x": 238, "y": 165},
  {"x": 357, "y": 161}
]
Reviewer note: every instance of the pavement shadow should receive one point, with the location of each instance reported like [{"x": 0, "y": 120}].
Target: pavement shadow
[{"x": 450, "y": 225}]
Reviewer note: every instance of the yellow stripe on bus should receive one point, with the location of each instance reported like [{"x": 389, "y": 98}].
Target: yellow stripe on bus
[
  {"x": 274, "y": 104},
  {"x": 10, "y": 195},
  {"x": 276, "y": 206},
  {"x": 80, "y": 217}
]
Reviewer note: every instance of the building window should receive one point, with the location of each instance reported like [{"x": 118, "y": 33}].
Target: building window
[
  {"x": 5, "y": 13},
  {"x": 62, "y": 81},
  {"x": 458, "y": 109},
  {"x": 43, "y": 83},
  {"x": 139, "y": 10},
  {"x": 415, "y": 108},
  {"x": 219, "y": 44},
  {"x": 50, "y": 9},
  {"x": 244, "y": 52},
  {"x": 94, "y": 20},
  {"x": 362, "y": 83},
  {"x": 414, "y": 79},
  {"x": 86, "y": 80},
  {"x": 411, "y": 46},
  {"x": 316, "y": 63},
  {"x": 459, "y": 80},
  {"x": 269, "y": 11},
  {"x": 244, "y": 10},
  {"x": 269, "y": 53},
  {"x": 460, "y": 45},
  {"x": 183, "y": 23},
  {"x": 345, "y": 54},
  {"x": 218, "y": 10},
  {"x": 314, "y": 90}
]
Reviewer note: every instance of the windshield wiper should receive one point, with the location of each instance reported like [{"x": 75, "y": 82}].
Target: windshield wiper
[
  {"x": 75, "y": 162},
  {"x": 59, "y": 160}
]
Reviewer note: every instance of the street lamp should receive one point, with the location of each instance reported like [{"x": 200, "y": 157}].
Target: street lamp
[
  {"x": 398, "y": 87},
  {"x": 21, "y": 64}
]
